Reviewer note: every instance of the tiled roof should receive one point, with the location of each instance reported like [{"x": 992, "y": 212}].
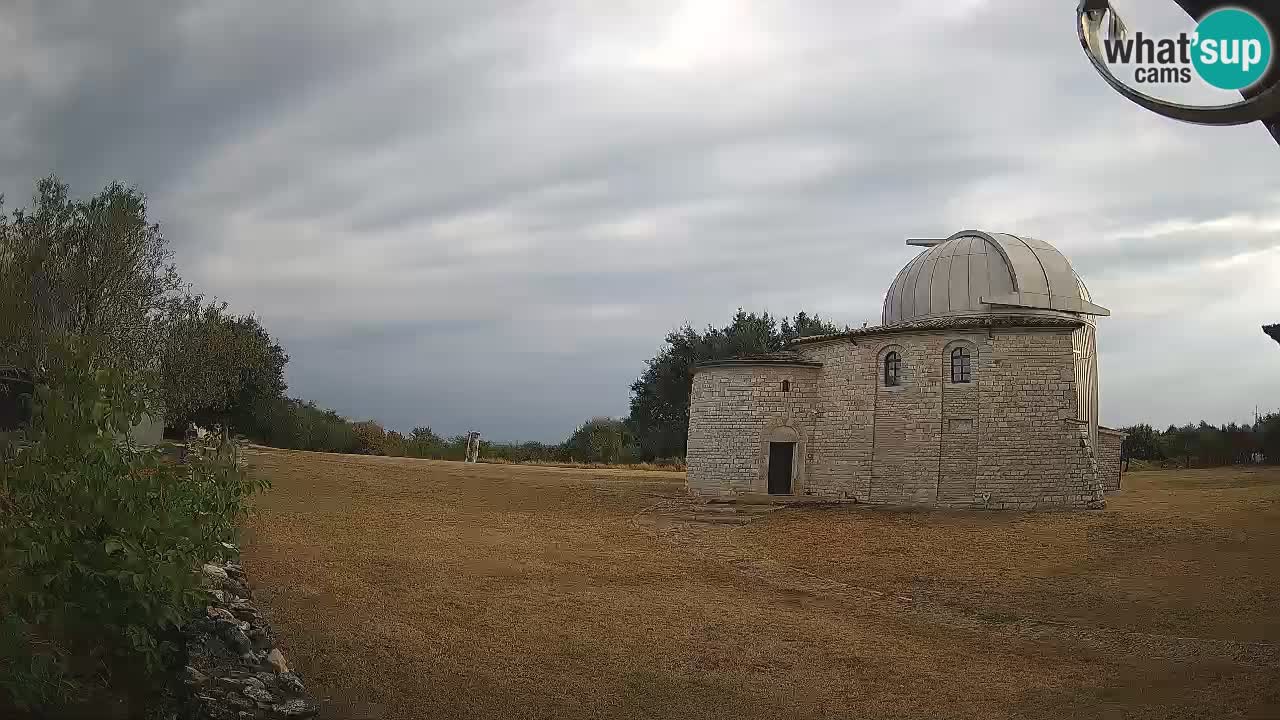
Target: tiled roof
[
  {"x": 947, "y": 323},
  {"x": 782, "y": 357}
]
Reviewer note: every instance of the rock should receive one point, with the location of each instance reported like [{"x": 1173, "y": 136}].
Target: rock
[
  {"x": 259, "y": 695},
  {"x": 289, "y": 682},
  {"x": 247, "y": 614},
  {"x": 194, "y": 678},
  {"x": 238, "y": 684},
  {"x": 235, "y": 672},
  {"x": 217, "y": 710},
  {"x": 214, "y": 646},
  {"x": 277, "y": 662},
  {"x": 241, "y": 701},
  {"x": 231, "y": 587},
  {"x": 299, "y": 708},
  {"x": 260, "y": 639},
  {"x": 217, "y": 613},
  {"x": 237, "y": 642}
]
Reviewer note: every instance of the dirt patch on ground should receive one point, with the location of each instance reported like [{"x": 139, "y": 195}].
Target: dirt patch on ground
[{"x": 419, "y": 589}]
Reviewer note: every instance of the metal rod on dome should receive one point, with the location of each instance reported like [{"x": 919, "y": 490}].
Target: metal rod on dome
[{"x": 925, "y": 242}]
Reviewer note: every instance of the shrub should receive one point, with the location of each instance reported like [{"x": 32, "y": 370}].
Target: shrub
[
  {"x": 600, "y": 440},
  {"x": 371, "y": 438},
  {"x": 101, "y": 544}
]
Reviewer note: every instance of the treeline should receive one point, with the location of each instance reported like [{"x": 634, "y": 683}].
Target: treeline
[
  {"x": 298, "y": 425},
  {"x": 1206, "y": 445}
]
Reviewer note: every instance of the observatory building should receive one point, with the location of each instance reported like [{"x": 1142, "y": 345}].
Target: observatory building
[{"x": 978, "y": 390}]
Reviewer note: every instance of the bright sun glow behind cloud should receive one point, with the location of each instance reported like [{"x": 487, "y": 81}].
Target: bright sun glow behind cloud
[{"x": 694, "y": 35}]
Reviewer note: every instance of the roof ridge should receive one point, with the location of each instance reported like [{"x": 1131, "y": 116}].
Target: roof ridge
[{"x": 945, "y": 322}]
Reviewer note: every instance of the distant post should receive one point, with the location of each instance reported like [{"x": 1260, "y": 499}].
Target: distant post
[{"x": 473, "y": 447}]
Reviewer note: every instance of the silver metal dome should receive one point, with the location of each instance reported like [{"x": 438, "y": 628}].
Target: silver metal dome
[{"x": 980, "y": 273}]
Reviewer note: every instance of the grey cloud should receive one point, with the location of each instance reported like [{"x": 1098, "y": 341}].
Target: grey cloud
[{"x": 487, "y": 215}]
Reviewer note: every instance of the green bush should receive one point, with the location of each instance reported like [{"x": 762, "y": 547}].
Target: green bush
[
  {"x": 101, "y": 544},
  {"x": 601, "y": 440}
]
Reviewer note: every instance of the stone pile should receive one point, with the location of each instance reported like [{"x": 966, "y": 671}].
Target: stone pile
[{"x": 235, "y": 671}]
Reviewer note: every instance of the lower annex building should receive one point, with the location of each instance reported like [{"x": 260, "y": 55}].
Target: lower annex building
[{"x": 978, "y": 390}]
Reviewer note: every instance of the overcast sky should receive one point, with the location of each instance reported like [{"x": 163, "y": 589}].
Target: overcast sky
[{"x": 487, "y": 214}]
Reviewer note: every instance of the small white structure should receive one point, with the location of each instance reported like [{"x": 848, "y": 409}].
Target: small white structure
[
  {"x": 148, "y": 431},
  {"x": 473, "y": 447}
]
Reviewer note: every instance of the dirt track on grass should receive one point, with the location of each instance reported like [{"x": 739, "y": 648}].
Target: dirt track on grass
[{"x": 417, "y": 589}]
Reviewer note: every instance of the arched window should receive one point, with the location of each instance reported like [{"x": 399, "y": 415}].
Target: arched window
[
  {"x": 892, "y": 369},
  {"x": 961, "y": 366},
  {"x": 786, "y": 386}
]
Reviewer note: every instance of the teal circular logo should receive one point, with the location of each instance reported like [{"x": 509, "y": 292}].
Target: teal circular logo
[{"x": 1232, "y": 49}]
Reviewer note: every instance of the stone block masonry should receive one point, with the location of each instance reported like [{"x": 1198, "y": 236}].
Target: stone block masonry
[
  {"x": 1012, "y": 438},
  {"x": 735, "y": 412},
  {"x": 1110, "y": 456}
]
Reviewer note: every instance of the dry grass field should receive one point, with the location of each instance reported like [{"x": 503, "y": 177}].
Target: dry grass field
[{"x": 419, "y": 589}]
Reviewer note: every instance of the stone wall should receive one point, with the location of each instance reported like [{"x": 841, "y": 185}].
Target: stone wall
[
  {"x": 840, "y": 448},
  {"x": 905, "y": 445},
  {"x": 733, "y": 413},
  {"x": 234, "y": 670},
  {"x": 1110, "y": 444},
  {"x": 1011, "y": 438},
  {"x": 1035, "y": 452},
  {"x": 961, "y": 450}
]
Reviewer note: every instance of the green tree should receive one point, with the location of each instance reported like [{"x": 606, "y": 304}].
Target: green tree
[
  {"x": 1268, "y": 431},
  {"x": 659, "y": 418},
  {"x": 599, "y": 440},
  {"x": 218, "y": 369},
  {"x": 94, "y": 269},
  {"x": 1179, "y": 443},
  {"x": 1142, "y": 442},
  {"x": 371, "y": 438}
]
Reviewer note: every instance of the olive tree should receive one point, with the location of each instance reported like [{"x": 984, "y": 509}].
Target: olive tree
[{"x": 94, "y": 270}]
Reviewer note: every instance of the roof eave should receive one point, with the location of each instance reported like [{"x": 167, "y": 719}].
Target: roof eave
[
  {"x": 943, "y": 322},
  {"x": 764, "y": 363}
]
